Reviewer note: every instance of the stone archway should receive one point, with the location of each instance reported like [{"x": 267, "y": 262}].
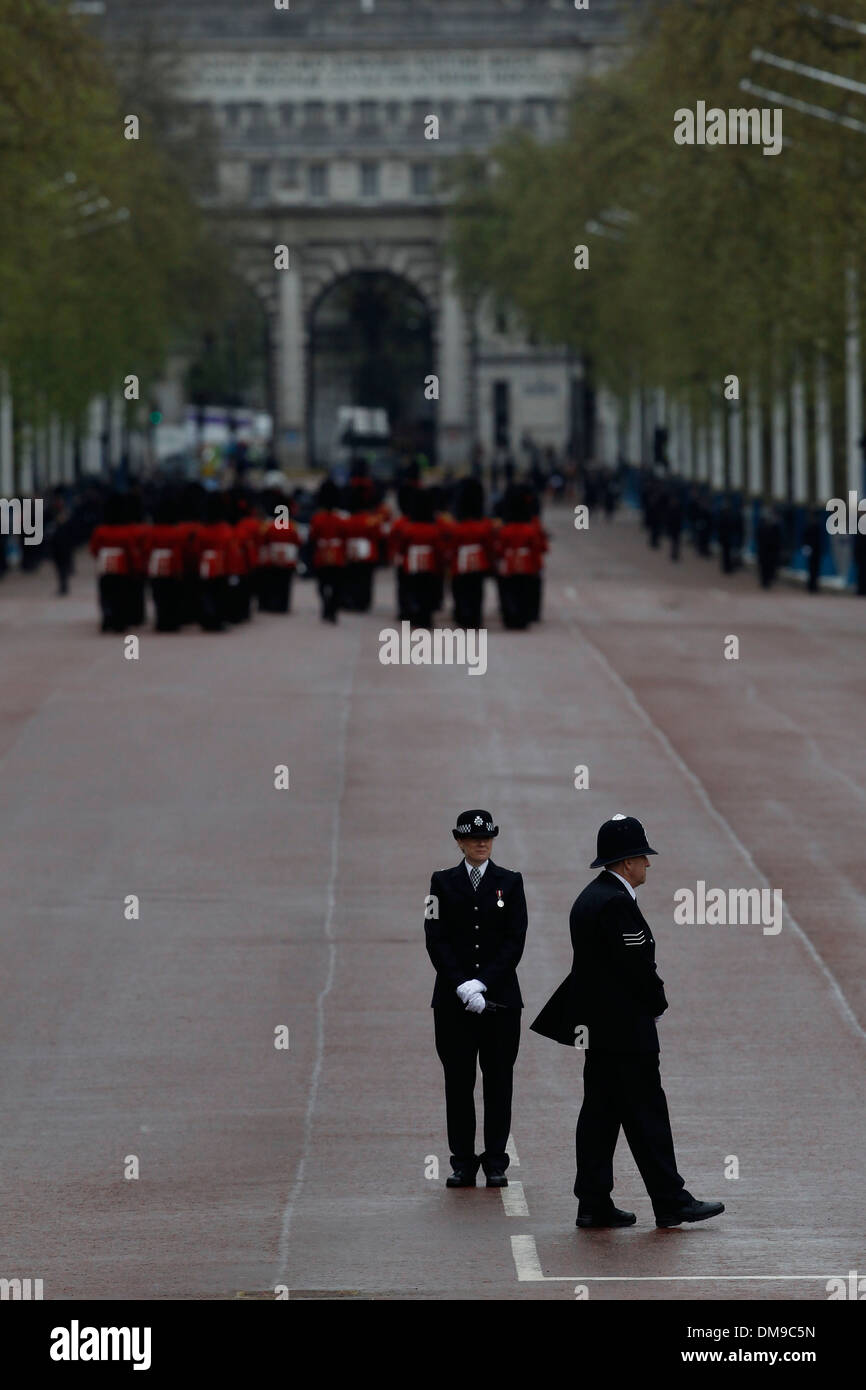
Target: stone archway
[{"x": 370, "y": 342}]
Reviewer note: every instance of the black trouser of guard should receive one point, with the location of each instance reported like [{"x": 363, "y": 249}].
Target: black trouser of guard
[
  {"x": 330, "y": 581},
  {"x": 266, "y": 588},
  {"x": 421, "y": 596},
  {"x": 237, "y": 598},
  {"x": 624, "y": 1089},
  {"x": 535, "y": 592},
  {"x": 168, "y": 604},
  {"x": 402, "y": 599},
  {"x": 213, "y": 598},
  {"x": 189, "y": 598},
  {"x": 490, "y": 1039},
  {"x": 278, "y": 588},
  {"x": 136, "y": 600},
  {"x": 358, "y": 586},
  {"x": 467, "y": 591},
  {"x": 515, "y": 600},
  {"x": 676, "y": 537},
  {"x": 814, "y": 572},
  {"x": 117, "y": 602}
]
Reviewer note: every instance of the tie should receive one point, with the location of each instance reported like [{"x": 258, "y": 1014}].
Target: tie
[{"x": 475, "y": 878}]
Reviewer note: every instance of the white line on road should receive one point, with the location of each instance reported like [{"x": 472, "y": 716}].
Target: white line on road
[
  {"x": 526, "y": 1258},
  {"x": 330, "y": 906},
  {"x": 529, "y": 1270},
  {"x": 513, "y": 1199},
  {"x": 512, "y": 1152}
]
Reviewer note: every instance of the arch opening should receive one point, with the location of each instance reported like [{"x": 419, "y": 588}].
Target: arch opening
[{"x": 371, "y": 345}]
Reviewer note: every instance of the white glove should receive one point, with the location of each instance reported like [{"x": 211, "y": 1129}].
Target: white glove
[
  {"x": 475, "y": 1003},
  {"x": 469, "y": 987}
]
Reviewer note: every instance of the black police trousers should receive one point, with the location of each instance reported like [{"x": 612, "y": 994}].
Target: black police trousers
[
  {"x": 462, "y": 1040},
  {"x": 624, "y": 1089}
]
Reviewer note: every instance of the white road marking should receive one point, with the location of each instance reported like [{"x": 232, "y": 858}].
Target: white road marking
[
  {"x": 512, "y": 1152},
  {"x": 513, "y": 1199},
  {"x": 526, "y": 1258},
  {"x": 528, "y": 1265},
  {"x": 701, "y": 790},
  {"x": 330, "y": 907}
]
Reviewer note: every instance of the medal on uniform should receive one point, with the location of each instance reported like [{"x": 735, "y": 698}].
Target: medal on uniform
[{"x": 499, "y": 902}]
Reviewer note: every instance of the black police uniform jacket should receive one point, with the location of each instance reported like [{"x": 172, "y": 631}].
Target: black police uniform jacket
[
  {"x": 613, "y": 989},
  {"x": 474, "y": 939}
]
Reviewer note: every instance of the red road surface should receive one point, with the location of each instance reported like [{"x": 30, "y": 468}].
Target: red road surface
[{"x": 259, "y": 908}]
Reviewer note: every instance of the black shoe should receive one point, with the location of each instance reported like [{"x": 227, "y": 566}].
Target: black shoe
[
  {"x": 605, "y": 1216},
  {"x": 461, "y": 1177},
  {"x": 693, "y": 1210},
  {"x": 496, "y": 1179}
]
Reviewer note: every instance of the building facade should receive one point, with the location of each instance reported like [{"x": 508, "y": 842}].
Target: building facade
[{"x": 334, "y": 122}]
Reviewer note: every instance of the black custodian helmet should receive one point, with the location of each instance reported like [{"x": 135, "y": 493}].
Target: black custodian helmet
[{"x": 621, "y": 837}]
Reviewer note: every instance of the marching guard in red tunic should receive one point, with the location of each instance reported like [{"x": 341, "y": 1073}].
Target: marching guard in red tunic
[
  {"x": 470, "y": 554},
  {"x": 328, "y": 543}
]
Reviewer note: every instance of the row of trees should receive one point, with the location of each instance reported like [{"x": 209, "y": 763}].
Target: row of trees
[
  {"x": 702, "y": 260},
  {"x": 105, "y": 261}
]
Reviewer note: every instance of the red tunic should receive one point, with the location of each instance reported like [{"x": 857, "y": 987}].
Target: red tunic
[
  {"x": 212, "y": 546},
  {"x": 166, "y": 547},
  {"x": 251, "y": 534},
  {"x": 519, "y": 548},
  {"x": 328, "y": 536},
  {"x": 114, "y": 549},
  {"x": 281, "y": 546},
  {"x": 363, "y": 532},
  {"x": 421, "y": 547},
  {"x": 471, "y": 546}
]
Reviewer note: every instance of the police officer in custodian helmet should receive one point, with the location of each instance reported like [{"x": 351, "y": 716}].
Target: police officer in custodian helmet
[
  {"x": 475, "y": 926},
  {"x": 609, "y": 1004}
]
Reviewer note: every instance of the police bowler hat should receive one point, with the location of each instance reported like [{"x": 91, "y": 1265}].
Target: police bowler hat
[
  {"x": 621, "y": 837},
  {"x": 474, "y": 825}
]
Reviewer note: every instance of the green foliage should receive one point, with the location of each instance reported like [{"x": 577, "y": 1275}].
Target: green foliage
[
  {"x": 104, "y": 258},
  {"x": 703, "y": 259}
]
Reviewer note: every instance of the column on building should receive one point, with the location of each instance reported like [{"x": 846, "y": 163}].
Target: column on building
[
  {"x": 7, "y": 452},
  {"x": 92, "y": 448},
  {"x": 686, "y": 440},
  {"x": 55, "y": 451},
  {"x": 67, "y": 452},
  {"x": 27, "y": 474},
  {"x": 41, "y": 472},
  {"x": 674, "y": 449},
  {"x": 735, "y": 445},
  {"x": 635, "y": 452},
  {"x": 755, "y": 441},
  {"x": 799, "y": 455},
  {"x": 779, "y": 452},
  {"x": 703, "y": 453},
  {"x": 717, "y": 449},
  {"x": 290, "y": 434},
  {"x": 115, "y": 429},
  {"x": 454, "y": 369},
  {"x": 823, "y": 433},
  {"x": 853, "y": 383}
]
